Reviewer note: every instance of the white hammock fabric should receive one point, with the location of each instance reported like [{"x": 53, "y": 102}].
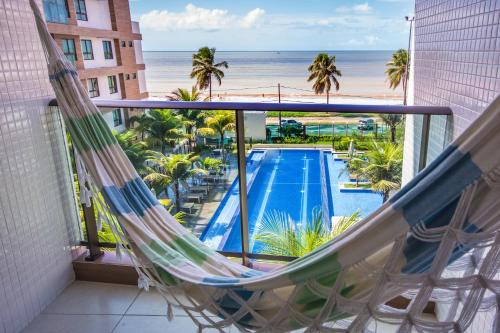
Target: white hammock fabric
[{"x": 436, "y": 240}]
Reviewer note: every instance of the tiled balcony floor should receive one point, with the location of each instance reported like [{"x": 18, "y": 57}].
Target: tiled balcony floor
[
  {"x": 109, "y": 308},
  {"x": 112, "y": 308}
]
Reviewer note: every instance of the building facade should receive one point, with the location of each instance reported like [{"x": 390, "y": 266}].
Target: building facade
[
  {"x": 456, "y": 64},
  {"x": 100, "y": 38}
]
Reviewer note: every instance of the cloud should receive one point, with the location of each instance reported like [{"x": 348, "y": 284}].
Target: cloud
[
  {"x": 367, "y": 40},
  {"x": 252, "y": 18},
  {"x": 362, "y": 8},
  {"x": 198, "y": 18}
]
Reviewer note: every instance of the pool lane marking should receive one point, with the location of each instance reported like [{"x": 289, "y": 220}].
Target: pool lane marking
[
  {"x": 265, "y": 200},
  {"x": 305, "y": 180}
]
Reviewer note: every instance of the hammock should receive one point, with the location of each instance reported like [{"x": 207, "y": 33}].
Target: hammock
[{"x": 437, "y": 239}]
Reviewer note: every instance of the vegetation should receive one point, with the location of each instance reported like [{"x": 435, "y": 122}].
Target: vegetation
[
  {"x": 173, "y": 169},
  {"x": 392, "y": 120},
  {"x": 191, "y": 119},
  {"x": 212, "y": 164},
  {"x": 281, "y": 236},
  {"x": 218, "y": 124},
  {"x": 204, "y": 68},
  {"x": 382, "y": 166},
  {"x": 396, "y": 70},
  {"x": 324, "y": 72},
  {"x": 160, "y": 127},
  {"x": 136, "y": 151}
]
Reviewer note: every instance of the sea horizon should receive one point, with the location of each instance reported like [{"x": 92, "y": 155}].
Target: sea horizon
[{"x": 256, "y": 74}]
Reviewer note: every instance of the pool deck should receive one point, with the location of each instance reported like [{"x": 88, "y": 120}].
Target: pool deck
[{"x": 198, "y": 221}]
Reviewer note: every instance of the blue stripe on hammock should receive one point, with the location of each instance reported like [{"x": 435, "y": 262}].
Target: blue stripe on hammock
[
  {"x": 134, "y": 196},
  {"x": 440, "y": 188},
  {"x": 61, "y": 73}
]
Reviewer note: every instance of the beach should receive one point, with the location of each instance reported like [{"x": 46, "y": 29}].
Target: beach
[{"x": 254, "y": 77}]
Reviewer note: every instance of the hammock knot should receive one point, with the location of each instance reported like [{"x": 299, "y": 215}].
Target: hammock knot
[{"x": 143, "y": 283}]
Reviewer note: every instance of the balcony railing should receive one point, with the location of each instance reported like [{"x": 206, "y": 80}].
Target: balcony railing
[{"x": 239, "y": 108}]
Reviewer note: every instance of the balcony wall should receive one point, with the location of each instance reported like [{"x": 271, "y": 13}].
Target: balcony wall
[{"x": 38, "y": 218}]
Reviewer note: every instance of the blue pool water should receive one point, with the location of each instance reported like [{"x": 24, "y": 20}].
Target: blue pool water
[{"x": 288, "y": 180}]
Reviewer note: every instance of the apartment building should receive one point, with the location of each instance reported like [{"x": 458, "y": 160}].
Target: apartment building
[
  {"x": 456, "y": 61},
  {"x": 100, "y": 38}
]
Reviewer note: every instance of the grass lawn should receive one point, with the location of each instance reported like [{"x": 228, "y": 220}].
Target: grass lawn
[{"x": 360, "y": 185}]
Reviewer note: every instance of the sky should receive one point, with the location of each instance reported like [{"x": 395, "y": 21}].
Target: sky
[{"x": 272, "y": 25}]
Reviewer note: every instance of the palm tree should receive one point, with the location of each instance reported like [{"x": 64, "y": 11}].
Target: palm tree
[
  {"x": 354, "y": 167},
  {"x": 323, "y": 71},
  {"x": 204, "y": 69},
  {"x": 396, "y": 70},
  {"x": 383, "y": 166},
  {"x": 140, "y": 124},
  {"x": 281, "y": 236},
  {"x": 392, "y": 120},
  {"x": 219, "y": 123},
  {"x": 173, "y": 169},
  {"x": 192, "y": 119},
  {"x": 161, "y": 126},
  {"x": 135, "y": 150}
]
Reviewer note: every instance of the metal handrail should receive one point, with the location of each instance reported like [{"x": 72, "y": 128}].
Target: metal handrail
[
  {"x": 240, "y": 107},
  {"x": 296, "y": 107}
]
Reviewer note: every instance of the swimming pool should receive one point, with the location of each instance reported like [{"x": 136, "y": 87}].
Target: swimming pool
[{"x": 295, "y": 181}]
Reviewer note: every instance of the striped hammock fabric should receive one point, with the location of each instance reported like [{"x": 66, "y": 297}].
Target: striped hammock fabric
[{"x": 436, "y": 240}]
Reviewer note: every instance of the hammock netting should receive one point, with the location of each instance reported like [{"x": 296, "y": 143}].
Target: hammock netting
[{"x": 436, "y": 240}]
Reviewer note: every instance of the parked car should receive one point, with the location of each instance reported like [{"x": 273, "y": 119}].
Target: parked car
[
  {"x": 366, "y": 124},
  {"x": 291, "y": 123}
]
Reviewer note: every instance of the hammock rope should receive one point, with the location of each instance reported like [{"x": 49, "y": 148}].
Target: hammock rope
[{"x": 436, "y": 240}]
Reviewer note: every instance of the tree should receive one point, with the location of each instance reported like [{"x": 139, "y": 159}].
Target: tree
[
  {"x": 212, "y": 164},
  {"x": 204, "y": 69},
  {"x": 161, "y": 126},
  {"x": 383, "y": 166},
  {"x": 392, "y": 120},
  {"x": 396, "y": 70},
  {"x": 354, "y": 167},
  {"x": 135, "y": 150},
  {"x": 219, "y": 123},
  {"x": 140, "y": 124},
  {"x": 323, "y": 71},
  {"x": 192, "y": 119},
  {"x": 281, "y": 236},
  {"x": 173, "y": 169}
]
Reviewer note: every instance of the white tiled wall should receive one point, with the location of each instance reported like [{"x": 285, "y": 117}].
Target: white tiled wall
[
  {"x": 457, "y": 64},
  {"x": 38, "y": 221}
]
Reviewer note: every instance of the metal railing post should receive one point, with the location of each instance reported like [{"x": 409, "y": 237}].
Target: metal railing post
[
  {"x": 424, "y": 142},
  {"x": 242, "y": 180}
]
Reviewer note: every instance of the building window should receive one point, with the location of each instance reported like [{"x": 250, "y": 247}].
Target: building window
[
  {"x": 127, "y": 76},
  {"x": 124, "y": 43},
  {"x": 93, "y": 87},
  {"x": 69, "y": 50},
  {"x": 81, "y": 10},
  {"x": 130, "y": 44},
  {"x": 88, "y": 54},
  {"x": 108, "y": 50},
  {"x": 117, "y": 117},
  {"x": 113, "y": 88},
  {"x": 134, "y": 76},
  {"x": 56, "y": 11}
]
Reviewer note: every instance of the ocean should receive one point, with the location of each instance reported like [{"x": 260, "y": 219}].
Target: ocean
[{"x": 256, "y": 73}]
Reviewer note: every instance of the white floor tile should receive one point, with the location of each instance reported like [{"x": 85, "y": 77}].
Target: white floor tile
[
  {"x": 55, "y": 323},
  {"x": 94, "y": 298},
  {"x": 159, "y": 324}
]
